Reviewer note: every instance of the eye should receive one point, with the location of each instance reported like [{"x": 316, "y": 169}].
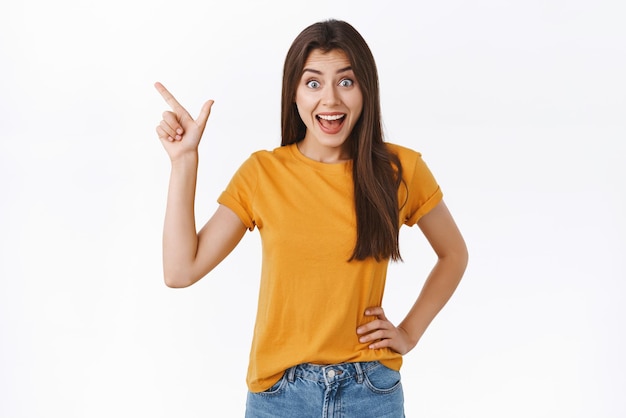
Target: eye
[
  {"x": 312, "y": 84},
  {"x": 346, "y": 82}
]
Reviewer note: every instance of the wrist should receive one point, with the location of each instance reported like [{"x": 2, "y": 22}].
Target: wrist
[
  {"x": 411, "y": 337},
  {"x": 185, "y": 159}
]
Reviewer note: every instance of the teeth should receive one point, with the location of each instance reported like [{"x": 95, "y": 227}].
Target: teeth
[{"x": 330, "y": 117}]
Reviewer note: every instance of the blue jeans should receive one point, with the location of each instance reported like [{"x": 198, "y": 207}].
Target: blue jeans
[{"x": 348, "y": 390}]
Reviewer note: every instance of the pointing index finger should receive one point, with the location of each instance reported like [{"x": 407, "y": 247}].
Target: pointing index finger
[{"x": 169, "y": 98}]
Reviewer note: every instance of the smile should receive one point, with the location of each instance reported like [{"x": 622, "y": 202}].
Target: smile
[
  {"x": 331, "y": 117},
  {"x": 331, "y": 124}
]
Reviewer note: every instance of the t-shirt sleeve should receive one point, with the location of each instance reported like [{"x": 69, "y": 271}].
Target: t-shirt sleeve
[
  {"x": 422, "y": 191},
  {"x": 240, "y": 191}
]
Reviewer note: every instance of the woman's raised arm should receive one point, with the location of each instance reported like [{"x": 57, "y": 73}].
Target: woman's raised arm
[{"x": 188, "y": 255}]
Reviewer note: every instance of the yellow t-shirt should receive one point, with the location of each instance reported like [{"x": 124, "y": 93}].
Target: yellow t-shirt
[{"x": 311, "y": 299}]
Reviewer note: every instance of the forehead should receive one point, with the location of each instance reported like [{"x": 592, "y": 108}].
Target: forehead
[{"x": 335, "y": 58}]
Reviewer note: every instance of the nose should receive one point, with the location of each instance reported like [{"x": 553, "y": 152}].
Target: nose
[{"x": 331, "y": 96}]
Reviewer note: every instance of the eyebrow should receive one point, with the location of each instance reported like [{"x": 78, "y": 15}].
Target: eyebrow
[{"x": 342, "y": 70}]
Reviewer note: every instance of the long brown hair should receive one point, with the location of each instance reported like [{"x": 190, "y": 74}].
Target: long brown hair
[{"x": 376, "y": 172}]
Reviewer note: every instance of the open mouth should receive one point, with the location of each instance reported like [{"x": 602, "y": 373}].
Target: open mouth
[{"x": 332, "y": 123}]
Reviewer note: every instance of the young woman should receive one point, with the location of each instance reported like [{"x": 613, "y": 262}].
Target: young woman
[{"x": 328, "y": 204}]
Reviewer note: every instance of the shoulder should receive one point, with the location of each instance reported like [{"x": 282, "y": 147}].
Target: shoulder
[
  {"x": 413, "y": 165},
  {"x": 266, "y": 162},
  {"x": 265, "y": 156},
  {"x": 407, "y": 156},
  {"x": 401, "y": 150}
]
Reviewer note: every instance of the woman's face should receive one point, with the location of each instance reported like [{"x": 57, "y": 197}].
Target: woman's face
[{"x": 329, "y": 102}]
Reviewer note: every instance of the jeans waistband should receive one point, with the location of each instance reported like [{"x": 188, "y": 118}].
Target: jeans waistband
[{"x": 332, "y": 372}]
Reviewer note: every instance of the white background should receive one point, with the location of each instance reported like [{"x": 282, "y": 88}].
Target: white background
[{"x": 518, "y": 108}]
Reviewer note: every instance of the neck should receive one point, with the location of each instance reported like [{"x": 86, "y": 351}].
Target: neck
[{"x": 329, "y": 155}]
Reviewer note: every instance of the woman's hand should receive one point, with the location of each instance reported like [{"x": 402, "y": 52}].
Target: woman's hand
[
  {"x": 178, "y": 131},
  {"x": 381, "y": 333}
]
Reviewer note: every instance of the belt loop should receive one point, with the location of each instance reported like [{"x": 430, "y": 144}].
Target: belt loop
[
  {"x": 359, "y": 372},
  {"x": 291, "y": 374}
]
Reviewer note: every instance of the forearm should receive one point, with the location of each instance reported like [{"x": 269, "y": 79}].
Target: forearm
[
  {"x": 180, "y": 238},
  {"x": 437, "y": 290}
]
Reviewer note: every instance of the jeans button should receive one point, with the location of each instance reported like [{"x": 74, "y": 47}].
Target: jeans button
[{"x": 331, "y": 374}]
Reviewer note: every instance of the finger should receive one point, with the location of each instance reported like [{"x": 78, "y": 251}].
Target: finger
[
  {"x": 168, "y": 130},
  {"x": 376, "y": 311},
  {"x": 373, "y": 336},
  {"x": 204, "y": 113},
  {"x": 163, "y": 136},
  {"x": 169, "y": 98},
  {"x": 384, "y": 343},
  {"x": 372, "y": 326},
  {"x": 172, "y": 121}
]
